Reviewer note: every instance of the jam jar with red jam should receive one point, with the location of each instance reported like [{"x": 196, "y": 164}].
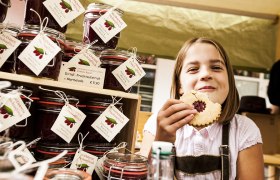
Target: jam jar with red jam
[
  {"x": 125, "y": 166},
  {"x": 32, "y": 18},
  {"x": 48, "y": 110},
  {"x": 4, "y": 5},
  {"x": 13, "y": 30},
  {"x": 95, "y": 11},
  {"x": 94, "y": 108},
  {"x": 26, "y": 35},
  {"x": 110, "y": 60},
  {"x": 23, "y": 130},
  {"x": 71, "y": 49}
]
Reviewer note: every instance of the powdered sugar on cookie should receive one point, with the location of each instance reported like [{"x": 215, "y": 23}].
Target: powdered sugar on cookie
[{"x": 208, "y": 112}]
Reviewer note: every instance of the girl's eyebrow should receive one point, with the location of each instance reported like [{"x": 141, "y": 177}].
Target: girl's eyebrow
[{"x": 217, "y": 61}]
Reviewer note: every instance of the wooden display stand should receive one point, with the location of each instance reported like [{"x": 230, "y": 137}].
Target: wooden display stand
[{"x": 131, "y": 102}]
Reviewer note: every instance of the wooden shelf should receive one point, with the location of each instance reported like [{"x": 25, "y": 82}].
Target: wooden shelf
[{"x": 131, "y": 102}]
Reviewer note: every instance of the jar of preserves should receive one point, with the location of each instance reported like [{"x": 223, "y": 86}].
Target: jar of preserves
[
  {"x": 48, "y": 110},
  {"x": 13, "y": 30},
  {"x": 98, "y": 149},
  {"x": 44, "y": 151},
  {"x": 31, "y": 17},
  {"x": 125, "y": 166},
  {"x": 95, "y": 11},
  {"x": 4, "y": 5},
  {"x": 23, "y": 130},
  {"x": 66, "y": 174},
  {"x": 110, "y": 60},
  {"x": 71, "y": 49},
  {"x": 26, "y": 35},
  {"x": 94, "y": 108}
]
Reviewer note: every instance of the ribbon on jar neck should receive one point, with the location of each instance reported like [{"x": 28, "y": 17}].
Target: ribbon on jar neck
[
  {"x": 81, "y": 139},
  {"x": 115, "y": 101}
]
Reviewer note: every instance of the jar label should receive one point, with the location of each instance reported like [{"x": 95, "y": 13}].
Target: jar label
[
  {"x": 82, "y": 75},
  {"x": 68, "y": 122},
  {"x": 84, "y": 161},
  {"x": 129, "y": 72},
  {"x": 64, "y": 11},
  {"x": 110, "y": 123},
  {"x": 40, "y": 51},
  {"x": 108, "y": 25},
  {"x": 12, "y": 110},
  {"x": 8, "y": 45},
  {"x": 86, "y": 58}
]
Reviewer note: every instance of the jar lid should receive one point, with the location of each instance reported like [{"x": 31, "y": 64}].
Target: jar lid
[
  {"x": 73, "y": 45},
  {"x": 165, "y": 147},
  {"x": 114, "y": 55},
  {"x": 33, "y": 30},
  {"x": 56, "y": 147},
  {"x": 65, "y": 173},
  {"x": 98, "y": 9},
  {"x": 13, "y": 29}
]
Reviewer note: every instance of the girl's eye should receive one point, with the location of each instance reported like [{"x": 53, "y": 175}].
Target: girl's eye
[
  {"x": 193, "y": 69},
  {"x": 217, "y": 67}
]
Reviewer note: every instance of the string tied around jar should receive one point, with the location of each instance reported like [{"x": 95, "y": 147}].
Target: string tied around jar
[
  {"x": 9, "y": 4},
  {"x": 115, "y": 101}
]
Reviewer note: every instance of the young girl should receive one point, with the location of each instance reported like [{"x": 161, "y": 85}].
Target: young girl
[{"x": 230, "y": 148}]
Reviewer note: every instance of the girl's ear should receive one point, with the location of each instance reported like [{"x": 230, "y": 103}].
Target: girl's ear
[{"x": 181, "y": 91}]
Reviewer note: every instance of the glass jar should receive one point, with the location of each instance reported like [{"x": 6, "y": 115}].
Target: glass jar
[
  {"x": 13, "y": 30},
  {"x": 48, "y": 110},
  {"x": 110, "y": 60},
  {"x": 23, "y": 130},
  {"x": 125, "y": 166},
  {"x": 26, "y": 35},
  {"x": 94, "y": 108},
  {"x": 99, "y": 149},
  {"x": 31, "y": 17},
  {"x": 93, "y": 12},
  {"x": 44, "y": 151},
  {"x": 66, "y": 174},
  {"x": 4, "y": 5},
  {"x": 71, "y": 49}
]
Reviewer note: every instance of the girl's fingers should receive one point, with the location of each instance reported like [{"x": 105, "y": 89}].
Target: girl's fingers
[
  {"x": 182, "y": 122},
  {"x": 169, "y": 103}
]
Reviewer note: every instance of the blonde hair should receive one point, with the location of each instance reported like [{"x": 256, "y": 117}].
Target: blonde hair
[{"x": 231, "y": 104}]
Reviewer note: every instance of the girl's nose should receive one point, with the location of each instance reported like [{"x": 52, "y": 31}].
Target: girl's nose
[{"x": 205, "y": 74}]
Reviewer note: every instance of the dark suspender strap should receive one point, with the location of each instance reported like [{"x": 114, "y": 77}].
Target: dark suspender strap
[
  {"x": 224, "y": 152},
  {"x": 198, "y": 164}
]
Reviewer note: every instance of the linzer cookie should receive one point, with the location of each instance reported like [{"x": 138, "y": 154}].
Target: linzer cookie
[{"x": 208, "y": 112}]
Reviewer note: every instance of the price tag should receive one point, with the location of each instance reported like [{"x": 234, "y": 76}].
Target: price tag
[{"x": 8, "y": 45}]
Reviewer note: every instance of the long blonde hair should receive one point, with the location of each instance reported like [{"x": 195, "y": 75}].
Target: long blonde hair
[{"x": 231, "y": 104}]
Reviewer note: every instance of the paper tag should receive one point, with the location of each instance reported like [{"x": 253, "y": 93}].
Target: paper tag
[
  {"x": 129, "y": 72},
  {"x": 86, "y": 58},
  {"x": 28, "y": 155},
  {"x": 110, "y": 123},
  {"x": 13, "y": 110},
  {"x": 108, "y": 25},
  {"x": 99, "y": 168},
  {"x": 68, "y": 122},
  {"x": 64, "y": 11},
  {"x": 82, "y": 75},
  {"x": 84, "y": 161},
  {"x": 8, "y": 45},
  {"x": 39, "y": 53}
]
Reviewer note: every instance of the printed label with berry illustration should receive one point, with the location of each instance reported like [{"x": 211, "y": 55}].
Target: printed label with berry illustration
[
  {"x": 39, "y": 52},
  {"x": 129, "y": 72},
  {"x": 110, "y": 123},
  {"x": 64, "y": 11},
  {"x": 8, "y": 45},
  {"x": 87, "y": 58},
  {"x": 84, "y": 161},
  {"x": 12, "y": 110},
  {"x": 82, "y": 75},
  {"x": 68, "y": 122},
  {"x": 108, "y": 25}
]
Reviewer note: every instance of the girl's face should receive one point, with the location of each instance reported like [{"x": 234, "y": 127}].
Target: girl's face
[{"x": 204, "y": 70}]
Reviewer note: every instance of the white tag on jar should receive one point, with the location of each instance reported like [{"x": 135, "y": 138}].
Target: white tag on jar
[
  {"x": 82, "y": 75},
  {"x": 108, "y": 25},
  {"x": 110, "y": 122},
  {"x": 64, "y": 11},
  {"x": 68, "y": 122},
  {"x": 8, "y": 45},
  {"x": 129, "y": 72},
  {"x": 12, "y": 110},
  {"x": 40, "y": 51},
  {"x": 84, "y": 161},
  {"x": 86, "y": 58}
]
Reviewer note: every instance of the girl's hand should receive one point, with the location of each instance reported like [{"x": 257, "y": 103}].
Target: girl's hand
[{"x": 173, "y": 115}]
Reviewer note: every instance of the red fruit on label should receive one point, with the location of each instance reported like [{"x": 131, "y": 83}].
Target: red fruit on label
[
  {"x": 112, "y": 125},
  {"x": 6, "y": 116},
  {"x": 71, "y": 125},
  {"x": 41, "y": 56}
]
